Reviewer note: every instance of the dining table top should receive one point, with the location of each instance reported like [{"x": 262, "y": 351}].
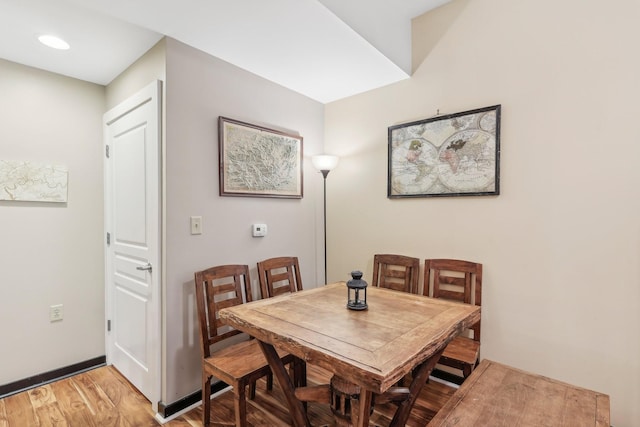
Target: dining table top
[{"x": 373, "y": 348}]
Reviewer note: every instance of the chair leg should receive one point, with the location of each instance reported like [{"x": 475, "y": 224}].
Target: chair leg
[
  {"x": 270, "y": 380},
  {"x": 206, "y": 399},
  {"x": 294, "y": 373},
  {"x": 252, "y": 390},
  {"x": 300, "y": 367},
  {"x": 298, "y": 375},
  {"x": 466, "y": 370},
  {"x": 240, "y": 404}
]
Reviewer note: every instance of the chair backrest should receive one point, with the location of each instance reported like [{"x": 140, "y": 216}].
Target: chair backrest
[
  {"x": 397, "y": 272},
  {"x": 217, "y": 288},
  {"x": 455, "y": 280},
  {"x": 279, "y": 276}
]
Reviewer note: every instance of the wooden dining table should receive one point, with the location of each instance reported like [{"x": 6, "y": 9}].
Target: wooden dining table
[{"x": 367, "y": 351}]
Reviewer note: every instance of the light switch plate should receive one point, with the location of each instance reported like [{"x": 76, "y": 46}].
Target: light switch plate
[
  {"x": 56, "y": 312},
  {"x": 196, "y": 225}
]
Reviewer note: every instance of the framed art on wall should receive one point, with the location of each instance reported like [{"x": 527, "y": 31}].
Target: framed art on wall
[
  {"x": 27, "y": 181},
  {"x": 450, "y": 155},
  {"x": 258, "y": 162}
]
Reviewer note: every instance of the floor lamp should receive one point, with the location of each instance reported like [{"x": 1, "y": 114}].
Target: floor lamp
[{"x": 325, "y": 163}]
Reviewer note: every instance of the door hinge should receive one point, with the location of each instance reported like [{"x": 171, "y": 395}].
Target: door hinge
[
  {"x": 108, "y": 238},
  {"x": 108, "y": 325},
  {"x": 107, "y": 151}
]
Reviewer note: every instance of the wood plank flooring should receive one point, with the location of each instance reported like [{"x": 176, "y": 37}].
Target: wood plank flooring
[{"x": 102, "y": 397}]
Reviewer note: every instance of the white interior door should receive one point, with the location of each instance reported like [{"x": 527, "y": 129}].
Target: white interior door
[{"x": 132, "y": 220}]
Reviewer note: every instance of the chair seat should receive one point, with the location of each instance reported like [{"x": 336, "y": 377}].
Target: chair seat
[
  {"x": 462, "y": 349},
  {"x": 244, "y": 359},
  {"x": 237, "y": 361}
]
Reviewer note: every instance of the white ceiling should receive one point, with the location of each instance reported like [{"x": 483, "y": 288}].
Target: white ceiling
[{"x": 326, "y": 50}]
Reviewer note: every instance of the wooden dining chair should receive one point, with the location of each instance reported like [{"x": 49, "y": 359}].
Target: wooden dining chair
[
  {"x": 279, "y": 276},
  {"x": 396, "y": 272},
  {"x": 461, "y": 281},
  {"x": 238, "y": 365}
]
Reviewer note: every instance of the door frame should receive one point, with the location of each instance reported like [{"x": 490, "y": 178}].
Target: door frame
[{"x": 152, "y": 93}]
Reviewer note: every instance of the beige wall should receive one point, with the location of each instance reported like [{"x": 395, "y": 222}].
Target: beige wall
[
  {"x": 51, "y": 253},
  {"x": 199, "y": 88},
  {"x": 148, "y": 68},
  {"x": 561, "y": 244}
]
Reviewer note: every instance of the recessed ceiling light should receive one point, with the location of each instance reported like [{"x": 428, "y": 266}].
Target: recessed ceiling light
[{"x": 54, "y": 42}]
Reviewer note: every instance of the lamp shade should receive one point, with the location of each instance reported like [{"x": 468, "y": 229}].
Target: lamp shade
[{"x": 324, "y": 162}]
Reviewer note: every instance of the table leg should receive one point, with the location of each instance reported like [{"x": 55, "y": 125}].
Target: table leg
[
  {"x": 419, "y": 380},
  {"x": 364, "y": 409},
  {"x": 351, "y": 404},
  {"x": 296, "y": 408}
]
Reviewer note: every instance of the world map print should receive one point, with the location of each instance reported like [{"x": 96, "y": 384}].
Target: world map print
[
  {"x": 36, "y": 182},
  {"x": 452, "y": 155}
]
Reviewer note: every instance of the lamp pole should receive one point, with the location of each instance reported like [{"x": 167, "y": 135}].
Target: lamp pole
[
  {"x": 324, "y": 217},
  {"x": 325, "y": 163}
]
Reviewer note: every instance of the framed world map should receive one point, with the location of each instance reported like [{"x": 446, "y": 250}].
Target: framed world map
[
  {"x": 449, "y": 155},
  {"x": 259, "y": 162}
]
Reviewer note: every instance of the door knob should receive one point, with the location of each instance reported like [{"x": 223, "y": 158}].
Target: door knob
[{"x": 145, "y": 267}]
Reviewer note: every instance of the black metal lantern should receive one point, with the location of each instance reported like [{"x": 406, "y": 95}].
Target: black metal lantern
[{"x": 356, "y": 292}]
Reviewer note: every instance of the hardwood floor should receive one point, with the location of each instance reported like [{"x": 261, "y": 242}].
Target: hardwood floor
[{"x": 102, "y": 397}]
